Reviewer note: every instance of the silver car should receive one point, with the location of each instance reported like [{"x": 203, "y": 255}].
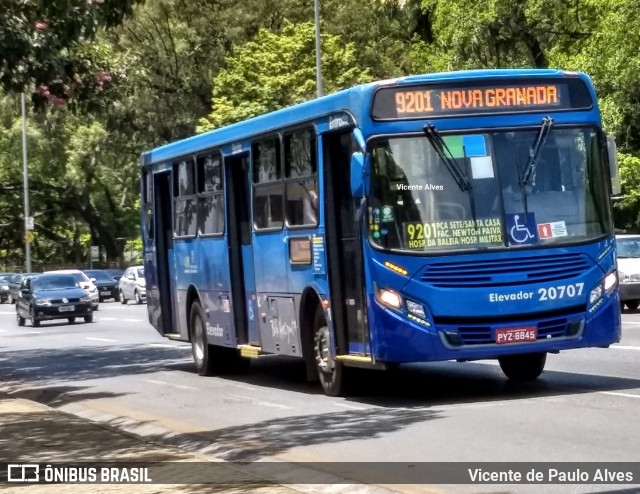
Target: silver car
[{"x": 132, "y": 285}]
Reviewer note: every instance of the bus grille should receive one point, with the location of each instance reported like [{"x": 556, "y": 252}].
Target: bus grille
[
  {"x": 474, "y": 333},
  {"x": 504, "y": 272}
]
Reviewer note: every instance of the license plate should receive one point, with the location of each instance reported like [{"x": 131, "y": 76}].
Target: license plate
[
  {"x": 66, "y": 308},
  {"x": 515, "y": 335}
]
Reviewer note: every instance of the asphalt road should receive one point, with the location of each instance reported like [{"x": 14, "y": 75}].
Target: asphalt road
[{"x": 584, "y": 408}]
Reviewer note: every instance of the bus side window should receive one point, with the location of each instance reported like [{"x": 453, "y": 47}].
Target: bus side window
[
  {"x": 268, "y": 187},
  {"x": 210, "y": 194},
  {"x": 301, "y": 183},
  {"x": 184, "y": 190}
]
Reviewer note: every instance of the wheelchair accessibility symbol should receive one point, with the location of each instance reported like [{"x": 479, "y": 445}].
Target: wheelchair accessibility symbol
[{"x": 522, "y": 229}]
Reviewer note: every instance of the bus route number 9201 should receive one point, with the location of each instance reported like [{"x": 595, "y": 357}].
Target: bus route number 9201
[{"x": 560, "y": 292}]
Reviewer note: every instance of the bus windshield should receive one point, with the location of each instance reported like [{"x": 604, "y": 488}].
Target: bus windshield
[{"x": 417, "y": 202}]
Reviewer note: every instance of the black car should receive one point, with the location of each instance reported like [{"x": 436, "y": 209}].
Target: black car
[
  {"x": 52, "y": 296},
  {"x": 106, "y": 285},
  {"x": 14, "y": 285},
  {"x": 5, "y": 291},
  {"x": 116, "y": 274}
]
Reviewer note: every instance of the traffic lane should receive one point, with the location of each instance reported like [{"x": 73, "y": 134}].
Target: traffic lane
[{"x": 274, "y": 412}]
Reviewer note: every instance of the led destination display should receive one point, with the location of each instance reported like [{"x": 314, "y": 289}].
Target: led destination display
[{"x": 406, "y": 102}]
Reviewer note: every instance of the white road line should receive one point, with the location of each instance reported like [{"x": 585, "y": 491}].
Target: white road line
[
  {"x": 33, "y": 332},
  {"x": 624, "y": 347},
  {"x": 101, "y": 339},
  {"x": 4, "y": 330},
  {"x": 108, "y": 318},
  {"x": 625, "y": 395},
  {"x": 166, "y": 345},
  {"x": 132, "y": 320},
  {"x": 268, "y": 404},
  {"x": 631, "y": 323},
  {"x": 344, "y": 405},
  {"x": 173, "y": 385},
  {"x": 8, "y": 314}
]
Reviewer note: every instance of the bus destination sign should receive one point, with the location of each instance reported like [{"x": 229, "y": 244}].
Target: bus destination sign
[{"x": 407, "y": 102}]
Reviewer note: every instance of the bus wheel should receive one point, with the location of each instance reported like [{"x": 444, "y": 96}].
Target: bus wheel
[
  {"x": 202, "y": 351},
  {"x": 331, "y": 373},
  {"x": 522, "y": 368}
]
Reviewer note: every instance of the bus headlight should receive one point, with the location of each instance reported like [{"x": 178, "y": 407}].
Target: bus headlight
[
  {"x": 416, "y": 309},
  {"x": 389, "y": 298},
  {"x": 610, "y": 282},
  {"x": 607, "y": 285}
]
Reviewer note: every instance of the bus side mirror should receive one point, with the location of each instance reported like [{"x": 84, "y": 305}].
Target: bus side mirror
[
  {"x": 613, "y": 166},
  {"x": 359, "y": 174}
]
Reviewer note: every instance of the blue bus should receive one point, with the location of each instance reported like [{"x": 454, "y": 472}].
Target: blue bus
[{"x": 449, "y": 216}]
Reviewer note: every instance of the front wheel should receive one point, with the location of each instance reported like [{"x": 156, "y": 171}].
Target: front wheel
[
  {"x": 123, "y": 300},
  {"x": 20, "y": 319},
  {"x": 523, "y": 368},
  {"x": 35, "y": 322},
  {"x": 332, "y": 373},
  {"x": 137, "y": 298},
  {"x": 88, "y": 318},
  {"x": 71, "y": 320},
  {"x": 632, "y": 304}
]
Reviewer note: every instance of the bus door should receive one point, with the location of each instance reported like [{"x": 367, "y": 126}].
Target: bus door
[
  {"x": 344, "y": 246},
  {"x": 162, "y": 217},
  {"x": 243, "y": 289}
]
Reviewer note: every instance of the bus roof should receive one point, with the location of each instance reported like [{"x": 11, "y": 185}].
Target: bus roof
[{"x": 344, "y": 100}]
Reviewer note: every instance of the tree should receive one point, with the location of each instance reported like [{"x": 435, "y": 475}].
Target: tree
[
  {"x": 277, "y": 70},
  {"x": 38, "y": 41}
]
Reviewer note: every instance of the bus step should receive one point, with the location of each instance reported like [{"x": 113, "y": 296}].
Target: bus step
[
  {"x": 173, "y": 336},
  {"x": 362, "y": 361},
  {"x": 250, "y": 351}
]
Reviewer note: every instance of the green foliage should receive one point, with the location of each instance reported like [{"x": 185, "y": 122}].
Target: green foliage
[
  {"x": 276, "y": 70},
  {"x": 627, "y": 209}
]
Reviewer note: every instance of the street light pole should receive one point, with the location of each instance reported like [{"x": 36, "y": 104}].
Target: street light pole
[
  {"x": 316, "y": 5},
  {"x": 25, "y": 165}
]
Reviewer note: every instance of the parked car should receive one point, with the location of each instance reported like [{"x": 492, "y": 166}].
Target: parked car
[
  {"x": 85, "y": 283},
  {"x": 5, "y": 291},
  {"x": 116, "y": 274},
  {"x": 628, "y": 247},
  {"x": 107, "y": 286},
  {"x": 133, "y": 285},
  {"x": 52, "y": 296},
  {"x": 14, "y": 285}
]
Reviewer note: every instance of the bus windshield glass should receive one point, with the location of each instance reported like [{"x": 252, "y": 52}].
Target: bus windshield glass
[{"x": 504, "y": 199}]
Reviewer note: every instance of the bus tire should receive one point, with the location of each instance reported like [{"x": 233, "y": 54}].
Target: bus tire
[
  {"x": 523, "y": 368},
  {"x": 200, "y": 348},
  {"x": 331, "y": 373}
]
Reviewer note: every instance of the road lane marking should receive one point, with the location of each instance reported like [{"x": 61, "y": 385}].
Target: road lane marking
[
  {"x": 166, "y": 345},
  {"x": 4, "y": 330},
  {"x": 132, "y": 320},
  {"x": 624, "y": 347},
  {"x": 268, "y": 404},
  {"x": 101, "y": 339},
  {"x": 174, "y": 385},
  {"x": 631, "y": 323},
  {"x": 625, "y": 395},
  {"x": 108, "y": 318},
  {"x": 344, "y": 405}
]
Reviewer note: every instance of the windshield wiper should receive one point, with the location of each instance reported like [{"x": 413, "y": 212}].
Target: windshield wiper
[
  {"x": 445, "y": 154},
  {"x": 529, "y": 171}
]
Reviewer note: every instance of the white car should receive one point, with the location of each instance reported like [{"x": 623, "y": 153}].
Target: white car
[
  {"x": 85, "y": 283},
  {"x": 133, "y": 286}
]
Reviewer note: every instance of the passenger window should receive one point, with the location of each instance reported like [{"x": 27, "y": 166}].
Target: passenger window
[
  {"x": 210, "y": 194},
  {"x": 301, "y": 189},
  {"x": 185, "y": 200},
  {"x": 268, "y": 188}
]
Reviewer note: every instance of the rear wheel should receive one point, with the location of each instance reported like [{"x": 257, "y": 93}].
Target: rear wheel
[
  {"x": 123, "y": 300},
  {"x": 20, "y": 319},
  {"x": 137, "y": 298},
  {"x": 633, "y": 304},
  {"x": 71, "y": 320},
  {"x": 332, "y": 373},
  {"x": 523, "y": 368}
]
